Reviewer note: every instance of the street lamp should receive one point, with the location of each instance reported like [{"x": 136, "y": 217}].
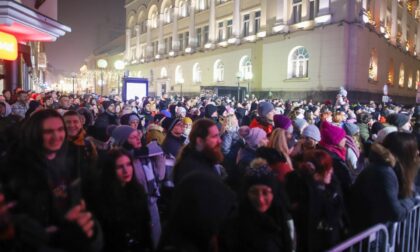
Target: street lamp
[
  {"x": 102, "y": 64},
  {"x": 73, "y": 75},
  {"x": 119, "y": 65},
  {"x": 238, "y": 77}
]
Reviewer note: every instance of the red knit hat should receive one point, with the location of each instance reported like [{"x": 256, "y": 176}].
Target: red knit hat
[{"x": 330, "y": 134}]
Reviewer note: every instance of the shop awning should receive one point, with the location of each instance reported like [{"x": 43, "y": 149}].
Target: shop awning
[{"x": 28, "y": 25}]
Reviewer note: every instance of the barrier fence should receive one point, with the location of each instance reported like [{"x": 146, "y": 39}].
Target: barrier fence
[{"x": 401, "y": 236}]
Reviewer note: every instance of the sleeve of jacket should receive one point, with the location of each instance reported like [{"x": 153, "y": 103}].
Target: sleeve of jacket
[{"x": 227, "y": 142}]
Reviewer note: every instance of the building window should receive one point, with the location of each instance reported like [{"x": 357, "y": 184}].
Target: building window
[
  {"x": 410, "y": 82},
  {"x": 246, "y": 25},
  {"x": 183, "y": 9},
  {"x": 206, "y": 34},
  {"x": 163, "y": 73},
  {"x": 181, "y": 41},
  {"x": 201, "y": 5},
  {"x": 219, "y": 71},
  {"x": 186, "y": 37},
  {"x": 221, "y": 1},
  {"x": 167, "y": 15},
  {"x": 298, "y": 63},
  {"x": 169, "y": 46},
  {"x": 154, "y": 20},
  {"x": 418, "y": 79},
  {"x": 245, "y": 68},
  {"x": 196, "y": 73},
  {"x": 229, "y": 28},
  {"x": 199, "y": 37},
  {"x": 220, "y": 28},
  {"x": 373, "y": 65},
  {"x": 143, "y": 26},
  {"x": 257, "y": 21},
  {"x": 401, "y": 78},
  {"x": 297, "y": 11},
  {"x": 179, "y": 77},
  {"x": 391, "y": 72},
  {"x": 313, "y": 9}
]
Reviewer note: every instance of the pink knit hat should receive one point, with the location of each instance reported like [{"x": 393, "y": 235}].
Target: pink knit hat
[{"x": 330, "y": 134}]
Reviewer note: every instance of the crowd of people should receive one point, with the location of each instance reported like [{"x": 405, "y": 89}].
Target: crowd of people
[{"x": 94, "y": 173}]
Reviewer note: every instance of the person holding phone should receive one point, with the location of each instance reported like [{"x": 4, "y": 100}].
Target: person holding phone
[{"x": 41, "y": 174}]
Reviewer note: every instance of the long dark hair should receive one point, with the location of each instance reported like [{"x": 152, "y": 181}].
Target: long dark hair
[
  {"x": 31, "y": 140},
  {"x": 404, "y": 147}
]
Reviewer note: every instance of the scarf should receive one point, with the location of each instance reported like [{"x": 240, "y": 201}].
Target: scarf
[
  {"x": 340, "y": 152},
  {"x": 352, "y": 145}
]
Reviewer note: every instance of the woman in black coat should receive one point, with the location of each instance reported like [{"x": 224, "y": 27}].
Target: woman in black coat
[
  {"x": 122, "y": 209},
  {"x": 262, "y": 222}
]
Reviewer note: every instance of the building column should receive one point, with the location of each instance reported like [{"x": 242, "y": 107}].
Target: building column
[
  {"x": 149, "y": 47},
  {"x": 383, "y": 6},
  {"x": 161, "y": 44},
  {"x": 11, "y": 73},
  {"x": 137, "y": 28},
  {"x": 175, "y": 39},
  {"x": 236, "y": 24},
  {"x": 282, "y": 17},
  {"x": 212, "y": 22},
  {"x": 192, "y": 39},
  {"x": 377, "y": 13},
  {"x": 394, "y": 26},
  {"x": 404, "y": 24},
  {"x": 305, "y": 10},
  {"x": 128, "y": 44}
]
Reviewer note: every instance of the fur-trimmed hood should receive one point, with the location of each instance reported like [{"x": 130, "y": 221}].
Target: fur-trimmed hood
[
  {"x": 380, "y": 154},
  {"x": 153, "y": 126}
]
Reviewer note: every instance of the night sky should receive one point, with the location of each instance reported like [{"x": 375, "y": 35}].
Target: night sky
[{"x": 93, "y": 24}]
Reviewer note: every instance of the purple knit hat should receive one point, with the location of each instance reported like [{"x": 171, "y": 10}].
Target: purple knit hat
[
  {"x": 282, "y": 121},
  {"x": 330, "y": 134}
]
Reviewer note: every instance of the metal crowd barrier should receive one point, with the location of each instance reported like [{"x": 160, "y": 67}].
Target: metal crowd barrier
[
  {"x": 372, "y": 239},
  {"x": 403, "y": 236}
]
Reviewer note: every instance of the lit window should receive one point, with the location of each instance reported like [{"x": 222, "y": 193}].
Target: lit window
[
  {"x": 418, "y": 79},
  {"x": 183, "y": 9},
  {"x": 179, "y": 77},
  {"x": 373, "y": 65},
  {"x": 410, "y": 82},
  {"x": 391, "y": 72},
  {"x": 297, "y": 11},
  {"x": 257, "y": 21},
  {"x": 167, "y": 15},
  {"x": 201, "y": 4},
  {"x": 402, "y": 76},
  {"x": 154, "y": 20},
  {"x": 196, "y": 73},
  {"x": 245, "y": 68},
  {"x": 298, "y": 63},
  {"x": 246, "y": 25},
  {"x": 219, "y": 71},
  {"x": 163, "y": 73}
]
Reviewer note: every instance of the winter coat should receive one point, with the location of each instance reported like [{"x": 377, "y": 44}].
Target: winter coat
[
  {"x": 155, "y": 132},
  {"x": 262, "y": 123},
  {"x": 102, "y": 122},
  {"x": 229, "y": 138},
  {"x": 374, "y": 195},
  {"x": 318, "y": 210},
  {"x": 192, "y": 160},
  {"x": 44, "y": 195}
]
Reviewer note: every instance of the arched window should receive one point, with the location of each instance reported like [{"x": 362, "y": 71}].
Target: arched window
[
  {"x": 167, "y": 15},
  {"x": 391, "y": 72},
  {"x": 154, "y": 20},
  {"x": 410, "y": 81},
  {"x": 163, "y": 73},
  {"x": 298, "y": 63},
  {"x": 201, "y": 4},
  {"x": 401, "y": 79},
  {"x": 179, "y": 76},
  {"x": 219, "y": 71},
  {"x": 196, "y": 73},
  {"x": 418, "y": 79},
  {"x": 245, "y": 68},
  {"x": 183, "y": 9},
  {"x": 373, "y": 65}
]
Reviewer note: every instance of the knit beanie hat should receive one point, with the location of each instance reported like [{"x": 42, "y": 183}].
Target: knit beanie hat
[
  {"x": 300, "y": 123},
  {"x": 351, "y": 128},
  {"x": 254, "y": 137},
  {"x": 312, "y": 131},
  {"x": 169, "y": 123},
  {"x": 385, "y": 132},
  {"x": 209, "y": 110},
  {"x": 330, "y": 134},
  {"x": 264, "y": 108},
  {"x": 282, "y": 121},
  {"x": 187, "y": 120},
  {"x": 398, "y": 120},
  {"x": 259, "y": 173},
  {"x": 133, "y": 117},
  {"x": 121, "y": 133},
  {"x": 166, "y": 113}
]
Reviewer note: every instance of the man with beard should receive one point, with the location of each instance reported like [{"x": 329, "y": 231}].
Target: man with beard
[{"x": 203, "y": 153}]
